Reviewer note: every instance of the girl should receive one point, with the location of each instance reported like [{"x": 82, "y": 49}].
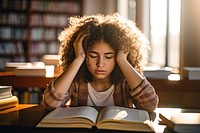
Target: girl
[{"x": 102, "y": 60}]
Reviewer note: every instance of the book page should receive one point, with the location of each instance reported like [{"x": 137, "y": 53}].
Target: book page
[
  {"x": 72, "y": 115},
  {"x": 114, "y": 113},
  {"x": 120, "y": 118}
]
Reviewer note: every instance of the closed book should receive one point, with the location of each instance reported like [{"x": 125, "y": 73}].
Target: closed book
[
  {"x": 8, "y": 102},
  {"x": 34, "y": 71},
  {"x": 182, "y": 122}
]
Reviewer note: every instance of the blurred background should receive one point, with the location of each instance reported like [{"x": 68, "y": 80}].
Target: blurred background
[{"x": 28, "y": 43}]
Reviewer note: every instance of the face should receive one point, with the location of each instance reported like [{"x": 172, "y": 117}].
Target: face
[{"x": 100, "y": 60}]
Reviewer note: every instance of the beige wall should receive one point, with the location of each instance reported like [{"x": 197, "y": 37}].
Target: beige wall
[
  {"x": 91, "y": 7},
  {"x": 190, "y": 33}
]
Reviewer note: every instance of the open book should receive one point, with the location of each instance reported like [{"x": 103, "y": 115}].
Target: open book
[{"x": 109, "y": 118}]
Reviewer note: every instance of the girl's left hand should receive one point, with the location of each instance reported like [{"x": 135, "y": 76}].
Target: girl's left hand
[{"x": 122, "y": 55}]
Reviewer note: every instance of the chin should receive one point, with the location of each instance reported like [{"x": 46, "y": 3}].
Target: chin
[{"x": 100, "y": 76}]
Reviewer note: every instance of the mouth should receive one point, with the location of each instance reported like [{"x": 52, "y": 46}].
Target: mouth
[{"x": 100, "y": 71}]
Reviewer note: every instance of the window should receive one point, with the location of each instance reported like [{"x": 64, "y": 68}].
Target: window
[
  {"x": 165, "y": 32},
  {"x": 160, "y": 22}
]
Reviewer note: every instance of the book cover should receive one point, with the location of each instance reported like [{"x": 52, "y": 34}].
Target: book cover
[{"x": 109, "y": 118}]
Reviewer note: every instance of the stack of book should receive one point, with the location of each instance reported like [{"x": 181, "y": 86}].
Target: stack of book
[
  {"x": 51, "y": 59},
  {"x": 7, "y": 100},
  {"x": 11, "y": 66},
  {"x": 31, "y": 69}
]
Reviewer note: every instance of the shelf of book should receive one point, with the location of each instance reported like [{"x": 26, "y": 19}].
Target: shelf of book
[{"x": 29, "y": 28}]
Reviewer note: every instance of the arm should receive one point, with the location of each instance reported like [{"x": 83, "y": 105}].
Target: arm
[
  {"x": 141, "y": 90},
  {"x": 131, "y": 75},
  {"x": 68, "y": 75},
  {"x": 56, "y": 93}
]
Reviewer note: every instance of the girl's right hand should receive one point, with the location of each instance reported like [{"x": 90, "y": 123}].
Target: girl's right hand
[{"x": 78, "y": 45}]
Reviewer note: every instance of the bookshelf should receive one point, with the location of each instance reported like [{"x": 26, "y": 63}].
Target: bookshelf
[
  {"x": 13, "y": 31},
  {"x": 29, "y": 28}
]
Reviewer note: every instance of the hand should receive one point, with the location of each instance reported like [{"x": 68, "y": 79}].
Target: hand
[
  {"x": 78, "y": 44},
  {"x": 122, "y": 55}
]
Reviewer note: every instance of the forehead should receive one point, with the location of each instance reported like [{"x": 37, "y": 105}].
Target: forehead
[{"x": 101, "y": 47}]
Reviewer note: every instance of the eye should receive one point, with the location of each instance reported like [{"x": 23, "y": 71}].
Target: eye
[
  {"x": 109, "y": 56},
  {"x": 93, "y": 55}
]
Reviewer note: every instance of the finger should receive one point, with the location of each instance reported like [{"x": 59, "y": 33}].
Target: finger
[{"x": 81, "y": 36}]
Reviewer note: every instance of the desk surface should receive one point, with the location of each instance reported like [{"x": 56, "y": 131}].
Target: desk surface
[{"x": 25, "y": 117}]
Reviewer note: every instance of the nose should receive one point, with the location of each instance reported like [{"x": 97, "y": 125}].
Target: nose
[{"x": 100, "y": 62}]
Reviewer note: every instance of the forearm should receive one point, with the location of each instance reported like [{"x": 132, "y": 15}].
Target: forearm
[
  {"x": 145, "y": 96},
  {"x": 141, "y": 90},
  {"x": 63, "y": 82},
  {"x": 131, "y": 75},
  {"x": 53, "y": 99}
]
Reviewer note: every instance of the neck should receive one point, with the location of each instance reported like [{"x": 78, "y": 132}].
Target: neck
[{"x": 101, "y": 85}]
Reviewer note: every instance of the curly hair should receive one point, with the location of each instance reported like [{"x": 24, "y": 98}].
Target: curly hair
[{"x": 118, "y": 32}]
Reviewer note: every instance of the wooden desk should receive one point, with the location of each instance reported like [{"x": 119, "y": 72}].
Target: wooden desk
[{"x": 25, "y": 117}]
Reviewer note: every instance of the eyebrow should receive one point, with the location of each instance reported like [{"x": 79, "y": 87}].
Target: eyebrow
[{"x": 104, "y": 53}]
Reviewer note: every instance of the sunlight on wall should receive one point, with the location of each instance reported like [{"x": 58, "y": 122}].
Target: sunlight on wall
[{"x": 158, "y": 20}]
